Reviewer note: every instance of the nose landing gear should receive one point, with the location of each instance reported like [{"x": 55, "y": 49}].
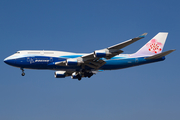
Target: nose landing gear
[{"x": 23, "y": 74}]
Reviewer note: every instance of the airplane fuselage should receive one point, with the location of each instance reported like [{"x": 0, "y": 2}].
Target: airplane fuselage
[{"x": 47, "y": 59}]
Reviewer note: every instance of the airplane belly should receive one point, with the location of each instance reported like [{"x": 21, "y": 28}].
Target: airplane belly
[
  {"x": 118, "y": 64},
  {"x": 125, "y": 63}
]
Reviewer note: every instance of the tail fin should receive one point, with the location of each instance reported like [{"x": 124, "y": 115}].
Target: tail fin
[{"x": 154, "y": 46}]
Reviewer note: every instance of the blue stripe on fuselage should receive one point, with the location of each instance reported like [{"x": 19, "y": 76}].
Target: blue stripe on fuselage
[
  {"x": 70, "y": 56},
  {"x": 127, "y": 62}
]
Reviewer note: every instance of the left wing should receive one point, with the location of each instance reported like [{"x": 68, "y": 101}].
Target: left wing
[
  {"x": 93, "y": 60},
  {"x": 113, "y": 50}
]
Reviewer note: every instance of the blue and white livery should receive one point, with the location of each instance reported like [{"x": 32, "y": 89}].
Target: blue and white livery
[{"x": 85, "y": 65}]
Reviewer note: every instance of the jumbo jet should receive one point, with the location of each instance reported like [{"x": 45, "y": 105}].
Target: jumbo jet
[{"x": 78, "y": 65}]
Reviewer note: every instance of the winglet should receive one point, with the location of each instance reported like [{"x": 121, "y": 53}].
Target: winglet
[{"x": 143, "y": 35}]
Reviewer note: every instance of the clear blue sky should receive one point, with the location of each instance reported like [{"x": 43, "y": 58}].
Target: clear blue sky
[{"x": 149, "y": 92}]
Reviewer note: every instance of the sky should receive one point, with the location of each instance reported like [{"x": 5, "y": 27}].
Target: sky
[{"x": 147, "y": 92}]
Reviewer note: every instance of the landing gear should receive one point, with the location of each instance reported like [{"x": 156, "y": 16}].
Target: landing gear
[
  {"x": 90, "y": 74},
  {"x": 87, "y": 74},
  {"x": 79, "y": 78},
  {"x": 79, "y": 74},
  {"x": 23, "y": 74}
]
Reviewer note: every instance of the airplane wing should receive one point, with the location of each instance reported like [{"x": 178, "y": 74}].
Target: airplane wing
[
  {"x": 115, "y": 49},
  {"x": 93, "y": 60},
  {"x": 126, "y": 43}
]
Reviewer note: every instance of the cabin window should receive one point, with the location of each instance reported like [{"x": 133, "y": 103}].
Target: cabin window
[
  {"x": 42, "y": 58},
  {"x": 48, "y": 52}
]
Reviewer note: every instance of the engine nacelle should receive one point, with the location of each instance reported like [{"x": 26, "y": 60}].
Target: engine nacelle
[
  {"x": 76, "y": 76},
  {"x": 60, "y": 74},
  {"x": 101, "y": 53},
  {"x": 72, "y": 62}
]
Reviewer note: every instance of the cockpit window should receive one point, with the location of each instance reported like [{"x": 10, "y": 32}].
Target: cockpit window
[{"x": 17, "y": 52}]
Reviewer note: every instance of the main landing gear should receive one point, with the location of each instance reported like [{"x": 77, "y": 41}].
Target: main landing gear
[
  {"x": 79, "y": 74},
  {"x": 84, "y": 73},
  {"x": 79, "y": 77},
  {"x": 23, "y": 74}
]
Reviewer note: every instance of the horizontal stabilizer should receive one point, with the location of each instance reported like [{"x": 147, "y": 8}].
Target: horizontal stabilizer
[{"x": 160, "y": 55}]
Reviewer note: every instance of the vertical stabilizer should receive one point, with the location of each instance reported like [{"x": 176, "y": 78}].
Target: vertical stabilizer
[{"x": 154, "y": 46}]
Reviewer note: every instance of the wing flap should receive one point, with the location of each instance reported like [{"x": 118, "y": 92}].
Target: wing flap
[
  {"x": 95, "y": 64},
  {"x": 62, "y": 63}
]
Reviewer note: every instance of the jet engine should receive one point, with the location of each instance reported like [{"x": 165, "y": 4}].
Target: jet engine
[
  {"x": 101, "y": 53},
  {"x": 60, "y": 74},
  {"x": 76, "y": 75},
  {"x": 71, "y": 62}
]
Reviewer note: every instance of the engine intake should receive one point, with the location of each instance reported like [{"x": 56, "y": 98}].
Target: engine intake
[
  {"x": 73, "y": 62},
  {"x": 101, "y": 53},
  {"x": 60, "y": 74},
  {"x": 76, "y": 76}
]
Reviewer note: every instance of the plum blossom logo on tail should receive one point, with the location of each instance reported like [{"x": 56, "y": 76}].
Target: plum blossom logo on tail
[{"x": 154, "y": 46}]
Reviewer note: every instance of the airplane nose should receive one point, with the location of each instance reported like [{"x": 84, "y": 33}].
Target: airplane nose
[
  {"x": 9, "y": 61},
  {"x": 6, "y": 61}
]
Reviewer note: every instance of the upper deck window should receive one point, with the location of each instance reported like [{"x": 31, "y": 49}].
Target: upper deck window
[
  {"x": 48, "y": 52},
  {"x": 33, "y": 52}
]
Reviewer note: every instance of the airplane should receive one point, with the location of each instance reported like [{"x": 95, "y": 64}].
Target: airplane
[{"x": 79, "y": 65}]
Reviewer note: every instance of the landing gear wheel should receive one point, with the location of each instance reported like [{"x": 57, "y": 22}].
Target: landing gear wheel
[
  {"x": 90, "y": 74},
  {"x": 23, "y": 74},
  {"x": 79, "y": 78}
]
